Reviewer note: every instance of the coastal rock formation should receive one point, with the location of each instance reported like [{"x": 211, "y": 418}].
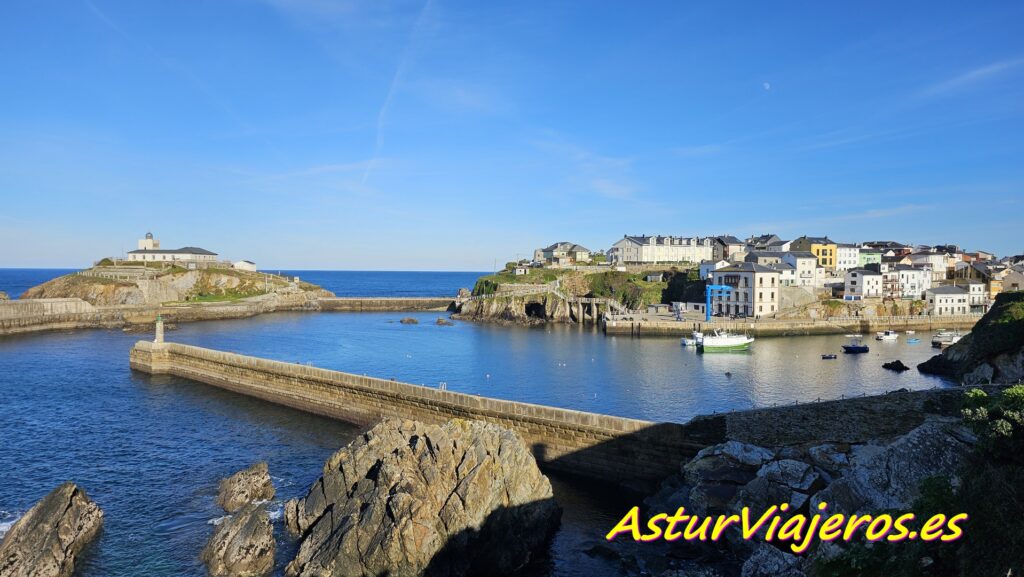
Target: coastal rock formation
[
  {"x": 242, "y": 545},
  {"x": 4, "y": 296},
  {"x": 852, "y": 478},
  {"x": 529, "y": 309},
  {"x": 244, "y": 487},
  {"x": 993, "y": 352},
  {"x": 409, "y": 321},
  {"x": 409, "y": 499},
  {"x": 107, "y": 286},
  {"x": 46, "y": 541},
  {"x": 896, "y": 365}
]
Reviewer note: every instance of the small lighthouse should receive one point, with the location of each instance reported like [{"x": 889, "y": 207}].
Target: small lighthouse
[{"x": 159, "y": 329}]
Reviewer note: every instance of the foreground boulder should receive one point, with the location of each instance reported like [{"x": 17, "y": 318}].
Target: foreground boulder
[
  {"x": 46, "y": 541},
  {"x": 244, "y": 487},
  {"x": 408, "y": 499},
  {"x": 242, "y": 545}
]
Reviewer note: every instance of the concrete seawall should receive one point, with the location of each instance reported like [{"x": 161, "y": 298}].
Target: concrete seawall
[
  {"x": 597, "y": 446},
  {"x": 385, "y": 304},
  {"x": 775, "y": 328}
]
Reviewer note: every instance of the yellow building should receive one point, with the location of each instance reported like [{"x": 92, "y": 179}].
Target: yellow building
[{"x": 821, "y": 247}]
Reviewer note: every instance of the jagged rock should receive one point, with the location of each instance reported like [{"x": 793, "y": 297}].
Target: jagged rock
[
  {"x": 830, "y": 456},
  {"x": 4, "y": 296},
  {"x": 714, "y": 476},
  {"x": 896, "y": 365},
  {"x": 409, "y": 321},
  {"x": 441, "y": 321},
  {"x": 244, "y": 487},
  {"x": 767, "y": 561},
  {"x": 409, "y": 499},
  {"x": 888, "y": 476},
  {"x": 46, "y": 541},
  {"x": 241, "y": 545},
  {"x": 464, "y": 293}
]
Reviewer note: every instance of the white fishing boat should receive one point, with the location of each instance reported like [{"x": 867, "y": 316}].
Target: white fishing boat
[
  {"x": 910, "y": 332},
  {"x": 692, "y": 341},
  {"x": 887, "y": 336},
  {"x": 724, "y": 341},
  {"x": 852, "y": 336},
  {"x": 944, "y": 338}
]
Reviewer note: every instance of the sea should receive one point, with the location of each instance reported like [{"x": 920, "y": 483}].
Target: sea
[{"x": 150, "y": 450}]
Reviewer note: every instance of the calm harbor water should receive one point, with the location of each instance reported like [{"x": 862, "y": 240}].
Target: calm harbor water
[{"x": 150, "y": 450}]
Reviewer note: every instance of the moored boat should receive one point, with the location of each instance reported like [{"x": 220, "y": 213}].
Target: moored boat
[
  {"x": 692, "y": 341},
  {"x": 828, "y": 357},
  {"x": 944, "y": 338},
  {"x": 913, "y": 341},
  {"x": 855, "y": 348},
  {"x": 887, "y": 336},
  {"x": 724, "y": 341}
]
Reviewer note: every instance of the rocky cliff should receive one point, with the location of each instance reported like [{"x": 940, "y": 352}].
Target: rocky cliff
[
  {"x": 243, "y": 544},
  {"x": 173, "y": 285},
  {"x": 408, "y": 499},
  {"x": 530, "y": 309},
  {"x": 994, "y": 350},
  {"x": 46, "y": 541}
]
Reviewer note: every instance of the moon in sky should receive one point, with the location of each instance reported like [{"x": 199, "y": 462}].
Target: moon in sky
[{"x": 767, "y": 85}]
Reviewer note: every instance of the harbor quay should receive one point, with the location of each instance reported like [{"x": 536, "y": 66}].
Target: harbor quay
[{"x": 659, "y": 326}]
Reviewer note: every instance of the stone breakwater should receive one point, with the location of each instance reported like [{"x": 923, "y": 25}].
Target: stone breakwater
[
  {"x": 626, "y": 451},
  {"x": 598, "y": 446},
  {"x": 34, "y": 315}
]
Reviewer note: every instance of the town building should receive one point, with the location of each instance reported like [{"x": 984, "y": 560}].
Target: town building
[
  {"x": 787, "y": 273},
  {"x": 905, "y": 281},
  {"x": 885, "y": 246},
  {"x": 947, "y": 300},
  {"x": 246, "y": 265},
  {"x": 868, "y": 256},
  {"x": 936, "y": 261},
  {"x": 563, "y": 253},
  {"x": 808, "y": 273},
  {"x": 821, "y": 247},
  {"x": 725, "y": 246},
  {"x": 755, "y": 290},
  {"x": 661, "y": 249},
  {"x": 761, "y": 242},
  {"x": 763, "y": 257},
  {"x": 149, "y": 251},
  {"x": 847, "y": 256},
  {"x": 779, "y": 246},
  {"x": 709, "y": 266},
  {"x": 862, "y": 283}
]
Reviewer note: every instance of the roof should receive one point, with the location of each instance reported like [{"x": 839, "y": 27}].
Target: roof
[
  {"x": 864, "y": 272},
  {"x": 566, "y": 246},
  {"x": 946, "y": 290},
  {"x": 248, "y": 261},
  {"x": 909, "y": 267},
  {"x": 747, "y": 267},
  {"x": 728, "y": 239},
  {"x": 816, "y": 239},
  {"x": 182, "y": 250},
  {"x": 846, "y": 245},
  {"x": 886, "y": 244},
  {"x": 782, "y": 266},
  {"x": 779, "y": 242},
  {"x": 763, "y": 254},
  {"x": 801, "y": 254}
]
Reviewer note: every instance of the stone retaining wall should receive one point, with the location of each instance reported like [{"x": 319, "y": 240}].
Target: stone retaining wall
[
  {"x": 773, "y": 328},
  {"x": 358, "y": 304},
  {"x": 598, "y": 446}
]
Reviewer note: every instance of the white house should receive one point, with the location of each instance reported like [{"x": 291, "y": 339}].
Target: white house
[
  {"x": 860, "y": 283},
  {"x": 905, "y": 282},
  {"x": 247, "y": 265},
  {"x": 787, "y": 273},
  {"x": 947, "y": 300},
  {"x": 562, "y": 253},
  {"x": 806, "y": 265},
  {"x": 755, "y": 290},
  {"x": 661, "y": 249},
  {"x": 936, "y": 261},
  {"x": 709, "y": 266},
  {"x": 847, "y": 256},
  {"x": 149, "y": 251}
]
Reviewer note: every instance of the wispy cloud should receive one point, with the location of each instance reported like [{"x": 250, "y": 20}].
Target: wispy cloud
[
  {"x": 408, "y": 55},
  {"x": 972, "y": 77},
  {"x": 606, "y": 176}
]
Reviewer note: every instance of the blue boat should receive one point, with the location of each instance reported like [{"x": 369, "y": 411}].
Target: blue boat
[
  {"x": 855, "y": 348},
  {"x": 913, "y": 341}
]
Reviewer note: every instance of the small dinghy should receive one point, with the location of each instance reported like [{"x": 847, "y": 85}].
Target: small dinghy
[
  {"x": 913, "y": 341},
  {"x": 828, "y": 357}
]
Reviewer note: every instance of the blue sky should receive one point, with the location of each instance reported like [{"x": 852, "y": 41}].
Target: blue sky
[{"x": 447, "y": 135}]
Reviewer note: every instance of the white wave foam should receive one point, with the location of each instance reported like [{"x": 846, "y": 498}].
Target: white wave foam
[
  {"x": 218, "y": 520},
  {"x": 5, "y": 526},
  {"x": 277, "y": 512}
]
